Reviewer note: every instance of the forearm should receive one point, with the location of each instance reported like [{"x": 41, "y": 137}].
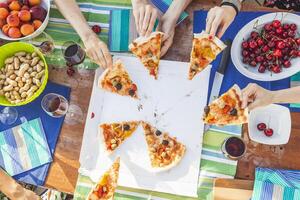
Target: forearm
[
  {"x": 71, "y": 11},
  {"x": 175, "y": 10},
  {"x": 291, "y": 95}
]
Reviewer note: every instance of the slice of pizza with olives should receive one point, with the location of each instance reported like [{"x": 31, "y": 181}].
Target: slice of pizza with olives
[
  {"x": 105, "y": 188},
  {"x": 165, "y": 151},
  {"x": 114, "y": 134},
  {"x": 226, "y": 110},
  {"x": 117, "y": 80},
  {"x": 147, "y": 49},
  {"x": 205, "y": 50}
]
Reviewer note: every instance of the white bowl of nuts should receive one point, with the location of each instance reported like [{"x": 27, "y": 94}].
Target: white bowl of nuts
[{"x": 23, "y": 73}]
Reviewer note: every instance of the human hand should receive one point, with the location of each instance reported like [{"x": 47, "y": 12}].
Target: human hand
[
  {"x": 167, "y": 26},
  {"x": 218, "y": 20},
  {"x": 145, "y": 16},
  {"x": 97, "y": 51},
  {"x": 255, "y": 96}
]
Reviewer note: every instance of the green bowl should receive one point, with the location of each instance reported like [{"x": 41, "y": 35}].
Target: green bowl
[{"x": 9, "y": 50}]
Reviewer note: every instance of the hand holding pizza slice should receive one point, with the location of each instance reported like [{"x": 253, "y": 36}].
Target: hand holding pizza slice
[
  {"x": 227, "y": 109},
  {"x": 205, "y": 50},
  {"x": 105, "y": 188}
]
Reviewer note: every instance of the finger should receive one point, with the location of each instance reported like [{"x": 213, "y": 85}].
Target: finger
[
  {"x": 222, "y": 30},
  {"x": 108, "y": 58},
  {"x": 142, "y": 15},
  {"x": 136, "y": 19},
  {"x": 100, "y": 59},
  {"x": 209, "y": 20},
  {"x": 255, "y": 104},
  {"x": 215, "y": 25},
  {"x": 247, "y": 95},
  {"x": 167, "y": 44},
  {"x": 151, "y": 23},
  {"x": 146, "y": 20}
]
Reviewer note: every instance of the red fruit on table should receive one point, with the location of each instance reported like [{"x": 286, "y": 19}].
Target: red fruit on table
[
  {"x": 260, "y": 42},
  {"x": 261, "y": 68},
  {"x": 293, "y": 27},
  {"x": 259, "y": 59},
  {"x": 276, "y": 69},
  {"x": 276, "y": 23},
  {"x": 287, "y": 63},
  {"x": 279, "y": 31},
  {"x": 265, "y": 48},
  {"x": 291, "y": 33},
  {"x": 252, "y": 44},
  {"x": 254, "y": 34},
  {"x": 245, "y": 45},
  {"x": 269, "y": 132},
  {"x": 280, "y": 45},
  {"x": 245, "y": 53},
  {"x": 96, "y": 29},
  {"x": 38, "y": 12},
  {"x": 70, "y": 71},
  {"x": 261, "y": 126},
  {"x": 268, "y": 27},
  {"x": 277, "y": 53},
  {"x": 253, "y": 63},
  {"x": 286, "y": 26}
]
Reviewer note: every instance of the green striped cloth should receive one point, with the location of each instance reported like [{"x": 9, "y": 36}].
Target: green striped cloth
[
  {"x": 295, "y": 82},
  {"x": 213, "y": 164}
]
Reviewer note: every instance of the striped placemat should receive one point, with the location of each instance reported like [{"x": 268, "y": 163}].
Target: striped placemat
[
  {"x": 213, "y": 164},
  {"x": 295, "y": 82},
  {"x": 24, "y": 147}
]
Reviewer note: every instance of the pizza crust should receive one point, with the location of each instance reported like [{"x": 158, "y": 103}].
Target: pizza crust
[
  {"x": 216, "y": 40},
  {"x": 141, "y": 40},
  {"x": 102, "y": 142}
]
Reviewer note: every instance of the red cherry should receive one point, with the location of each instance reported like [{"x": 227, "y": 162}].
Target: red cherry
[
  {"x": 261, "y": 68},
  {"x": 265, "y": 48},
  {"x": 96, "y": 29},
  {"x": 293, "y": 53},
  {"x": 280, "y": 45},
  {"x": 286, "y": 26},
  {"x": 261, "y": 126},
  {"x": 257, "y": 51},
  {"x": 276, "y": 23},
  {"x": 260, "y": 42},
  {"x": 268, "y": 27},
  {"x": 287, "y": 63},
  {"x": 285, "y": 34},
  {"x": 276, "y": 69},
  {"x": 298, "y": 41},
  {"x": 277, "y": 53},
  {"x": 252, "y": 44},
  {"x": 268, "y": 132},
  {"x": 70, "y": 71},
  {"x": 269, "y": 57},
  {"x": 253, "y": 63},
  {"x": 293, "y": 27},
  {"x": 245, "y": 45},
  {"x": 259, "y": 58},
  {"x": 298, "y": 54},
  {"x": 246, "y": 60},
  {"x": 279, "y": 30},
  {"x": 245, "y": 53},
  {"x": 92, "y": 115},
  {"x": 292, "y": 33},
  {"x": 254, "y": 34},
  {"x": 134, "y": 87},
  {"x": 271, "y": 44},
  {"x": 252, "y": 55}
]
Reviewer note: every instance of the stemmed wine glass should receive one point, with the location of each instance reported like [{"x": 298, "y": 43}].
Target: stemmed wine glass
[
  {"x": 44, "y": 42},
  {"x": 8, "y": 115},
  {"x": 57, "y": 106}
]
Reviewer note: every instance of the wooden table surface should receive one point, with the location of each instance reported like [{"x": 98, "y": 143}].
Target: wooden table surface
[{"x": 64, "y": 170}]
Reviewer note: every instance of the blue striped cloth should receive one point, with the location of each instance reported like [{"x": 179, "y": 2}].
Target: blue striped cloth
[
  {"x": 24, "y": 147},
  {"x": 276, "y": 184}
]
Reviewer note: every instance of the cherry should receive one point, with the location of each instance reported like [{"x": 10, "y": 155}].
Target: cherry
[
  {"x": 280, "y": 45},
  {"x": 298, "y": 41},
  {"x": 285, "y": 34},
  {"x": 277, "y": 53},
  {"x": 253, "y": 63},
  {"x": 293, "y": 53},
  {"x": 276, "y": 23},
  {"x": 276, "y": 69},
  {"x": 261, "y": 126},
  {"x": 96, "y": 29},
  {"x": 298, "y": 54},
  {"x": 293, "y": 27},
  {"x": 252, "y": 55},
  {"x": 279, "y": 30},
  {"x": 246, "y": 60},
  {"x": 268, "y": 27},
  {"x": 287, "y": 63},
  {"x": 292, "y": 33},
  {"x": 254, "y": 34},
  {"x": 269, "y": 57},
  {"x": 286, "y": 26},
  {"x": 265, "y": 48},
  {"x": 70, "y": 71},
  {"x": 245, "y": 53},
  {"x": 245, "y": 45},
  {"x": 261, "y": 68},
  {"x": 271, "y": 44},
  {"x": 257, "y": 51},
  {"x": 259, "y": 58},
  {"x": 252, "y": 44},
  {"x": 260, "y": 42},
  {"x": 268, "y": 132}
]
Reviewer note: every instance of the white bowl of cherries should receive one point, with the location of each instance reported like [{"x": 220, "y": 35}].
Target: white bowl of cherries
[
  {"x": 267, "y": 48},
  {"x": 270, "y": 125}
]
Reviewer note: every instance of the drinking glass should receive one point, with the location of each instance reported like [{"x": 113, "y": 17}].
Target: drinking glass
[
  {"x": 57, "y": 106},
  {"x": 73, "y": 53},
  {"x": 44, "y": 42},
  {"x": 8, "y": 115},
  {"x": 233, "y": 148}
]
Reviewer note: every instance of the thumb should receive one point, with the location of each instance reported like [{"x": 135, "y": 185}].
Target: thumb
[{"x": 255, "y": 104}]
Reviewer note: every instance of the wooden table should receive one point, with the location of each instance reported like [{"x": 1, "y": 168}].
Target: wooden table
[{"x": 64, "y": 170}]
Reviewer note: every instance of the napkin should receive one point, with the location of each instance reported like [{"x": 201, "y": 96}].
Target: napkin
[{"x": 24, "y": 147}]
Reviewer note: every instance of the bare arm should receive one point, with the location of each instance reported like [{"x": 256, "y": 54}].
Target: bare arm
[
  {"x": 175, "y": 9},
  {"x": 13, "y": 190},
  {"x": 95, "y": 48},
  {"x": 291, "y": 95}
]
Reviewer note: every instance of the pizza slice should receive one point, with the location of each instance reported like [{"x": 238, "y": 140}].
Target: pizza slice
[
  {"x": 148, "y": 51},
  {"x": 226, "y": 110},
  {"x": 117, "y": 80},
  {"x": 114, "y": 134},
  {"x": 205, "y": 50},
  {"x": 105, "y": 188},
  {"x": 165, "y": 151}
]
